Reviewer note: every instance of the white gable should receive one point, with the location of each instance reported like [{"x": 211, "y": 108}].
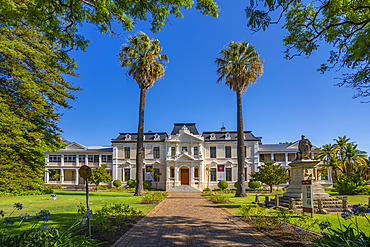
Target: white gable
[
  {"x": 184, "y": 157},
  {"x": 185, "y": 137},
  {"x": 75, "y": 146}
]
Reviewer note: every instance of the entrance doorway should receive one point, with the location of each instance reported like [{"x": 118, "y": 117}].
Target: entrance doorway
[{"x": 184, "y": 175}]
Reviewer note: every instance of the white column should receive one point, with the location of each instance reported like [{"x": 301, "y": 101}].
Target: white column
[
  {"x": 46, "y": 159},
  {"x": 168, "y": 171},
  {"x": 176, "y": 173},
  {"x": 61, "y": 176},
  {"x": 86, "y": 159},
  {"x": 77, "y": 161},
  {"x": 62, "y": 160},
  {"x": 46, "y": 177},
  {"x": 201, "y": 172},
  {"x": 77, "y": 176},
  {"x": 191, "y": 148},
  {"x": 114, "y": 164},
  {"x": 286, "y": 159},
  {"x": 191, "y": 172},
  {"x": 99, "y": 160},
  {"x": 272, "y": 156}
]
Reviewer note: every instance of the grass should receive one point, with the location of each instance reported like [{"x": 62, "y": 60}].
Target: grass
[
  {"x": 332, "y": 218},
  {"x": 63, "y": 210}
]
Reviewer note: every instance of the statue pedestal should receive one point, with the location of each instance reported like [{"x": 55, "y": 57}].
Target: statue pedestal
[{"x": 304, "y": 170}]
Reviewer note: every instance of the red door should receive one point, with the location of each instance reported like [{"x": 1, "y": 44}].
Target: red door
[{"x": 184, "y": 176}]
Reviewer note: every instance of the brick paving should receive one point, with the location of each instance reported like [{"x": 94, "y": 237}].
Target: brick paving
[{"x": 188, "y": 219}]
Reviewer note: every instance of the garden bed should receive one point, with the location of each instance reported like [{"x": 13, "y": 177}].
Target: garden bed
[
  {"x": 109, "y": 237},
  {"x": 283, "y": 233}
]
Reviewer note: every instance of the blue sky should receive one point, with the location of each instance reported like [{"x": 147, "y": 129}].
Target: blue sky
[{"x": 289, "y": 100}]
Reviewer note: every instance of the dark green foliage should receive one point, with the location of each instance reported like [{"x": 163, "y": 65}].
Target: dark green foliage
[
  {"x": 352, "y": 185},
  {"x": 147, "y": 184},
  {"x": 32, "y": 91},
  {"x": 60, "y": 20},
  {"x": 219, "y": 198},
  {"x": 344, "y": 25},
  {"x": 236, "y": 184},
  {"x": 252, "y": 184},
  {"x": 117, "y": 183},
  {"x": 131, "y": 183},
  {"x": 271, "y": 174},
  {"x": 207, "y": 189},
  {"x": 223, "y": 184},
  {"x": 100, "y": 175}
]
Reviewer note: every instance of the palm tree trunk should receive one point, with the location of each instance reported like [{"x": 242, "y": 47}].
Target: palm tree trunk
[
  {"x": 140, "y": 149},
  {"x": 240, "y": 191}
]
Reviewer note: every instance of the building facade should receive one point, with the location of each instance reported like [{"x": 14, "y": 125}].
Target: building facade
[{"x": 184, "y": 157}]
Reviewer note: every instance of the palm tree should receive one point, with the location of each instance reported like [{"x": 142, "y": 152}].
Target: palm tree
[
  {"x": 329, "y": 158},
  {"x": 353, "y": 158},
  {"x": 145, "y": 63},
  {"x": 240, "y": 66}
]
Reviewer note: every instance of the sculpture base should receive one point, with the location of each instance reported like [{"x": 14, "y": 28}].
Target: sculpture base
[{"x": 304, "y": 170}]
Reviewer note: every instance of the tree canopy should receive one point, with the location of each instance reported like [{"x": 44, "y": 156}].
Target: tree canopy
[
  {"x": 100, "y": 175},
  {"x": 59, "y": 20},
  {"x": 32, "y": 89},
  {"x": 271, "y": 174},
  {"x": 344, "y": 25}
]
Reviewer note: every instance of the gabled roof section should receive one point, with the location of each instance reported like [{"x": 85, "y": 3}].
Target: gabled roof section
[
  {"x": 74, "y": 146},
  {"x": 183, "y": 137},
  {"x": 228, "y": 136},
  {"x": 184, "y": 157},
  {"x": 148, "y": 137},
  {"x": 190, "y": 126}
]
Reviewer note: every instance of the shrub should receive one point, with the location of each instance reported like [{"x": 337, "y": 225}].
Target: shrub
[
  {"x": 352, "y": 185},
  {"x": 223, "y": 184},
  {"x": 154, "y": 198},
  {"x": 254, "y": 184},
  {"x": 54, "y": 186},
  {"x": 219, "y": 198},
  {"x": 147, "y": 184},
  {"x": 207, "y": 189},
  {"x": 103, "y": 187},
  {"x": 236, "y": 184},
  {"x": 131, "y": 183},
  {"x": 117, "y": 183}
]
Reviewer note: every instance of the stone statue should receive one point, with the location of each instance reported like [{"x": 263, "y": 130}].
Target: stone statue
[
  {"x": 309, "y": 175},
  {"x": 304, "y": 149}
]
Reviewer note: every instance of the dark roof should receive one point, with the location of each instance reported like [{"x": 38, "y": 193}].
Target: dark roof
[
  {"x": 221, "y": 136},
  {"x": 148, "y": 137},
  {"x": 190, "y": 126}
]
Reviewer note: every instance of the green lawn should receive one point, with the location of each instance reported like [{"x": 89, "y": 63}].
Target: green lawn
[
  {"x": 63, "y": 210},
  {"x": 332, "y": 218}
]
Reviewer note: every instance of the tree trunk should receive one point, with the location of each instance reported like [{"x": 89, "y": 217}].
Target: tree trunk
[
  {"x": 240, "y": 191},
  {"x": 139, "y": 147}
]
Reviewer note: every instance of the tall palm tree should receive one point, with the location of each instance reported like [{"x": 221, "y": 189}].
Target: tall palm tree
[
  {"x": 145, "y": 63},
  {"x": 240, "y": 65}
]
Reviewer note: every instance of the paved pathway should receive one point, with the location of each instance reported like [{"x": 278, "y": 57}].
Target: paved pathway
[
  {"x": 184, "y": 188},
  {"x": 188, "y": 219}
]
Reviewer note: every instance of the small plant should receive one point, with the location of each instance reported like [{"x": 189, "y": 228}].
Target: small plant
[
  {"x": 117, "y": 183},
  {"x": 102, "y": 187},
  {"x": 42, "y": 235},
  {"x": 346, "y": 234},
  {"x": 223, "y": 184},
  {"x": 219, "y": 198},
  {"x": 131, "y": 183},
  {"x": 246, "y": 210},
  {"x": 153, "y": 198},
  {"x": 207, "y": 189},
  {"x": 236, "y": 184},
  {"x": 147, "y": 184},
  {"x": 252, "y": 184}
]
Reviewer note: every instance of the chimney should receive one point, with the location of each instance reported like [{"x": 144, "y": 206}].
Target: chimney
[{"x": 149, "y": 131}]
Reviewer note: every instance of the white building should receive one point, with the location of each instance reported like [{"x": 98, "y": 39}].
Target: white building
[{"x": 183, "y": 157}]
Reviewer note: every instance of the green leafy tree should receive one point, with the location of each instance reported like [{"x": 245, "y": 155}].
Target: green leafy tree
[
  {"x": 271, "y": 174},
  {"x": 59, "y": 20},
  {"x": 155, "y": 174},
  {"x": 100, "y": 175},
  {"x": 32, "y": 93},
  {"x": 344, "y": 25},
  {"x": 145, "y": 63},
  {"x": 240, "y": 66}
]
